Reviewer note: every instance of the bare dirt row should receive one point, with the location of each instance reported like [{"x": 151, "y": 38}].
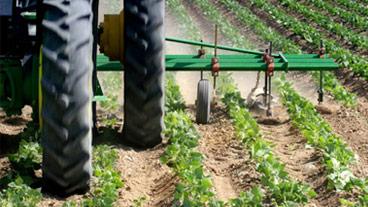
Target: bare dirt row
[{"x": 226, "y": 161}]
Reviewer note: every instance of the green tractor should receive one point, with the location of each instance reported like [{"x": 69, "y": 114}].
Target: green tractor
[{"x": 49, "y": 60}]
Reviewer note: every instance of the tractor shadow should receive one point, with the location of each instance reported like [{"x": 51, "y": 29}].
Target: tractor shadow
[{"x": 113, "y": 136}]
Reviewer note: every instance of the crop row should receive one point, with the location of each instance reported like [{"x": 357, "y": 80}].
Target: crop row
[
  {"x": 359, "y": 22},
  {"x": 17, "y": 190},
  {"x": 226, "y": 27},
  {"x": 16, "y": 184},
  {"x": 194, "y": 188},
  {"x": 358, "y": 64},
  {"x": 337, "y": 155},
  {"x": 353, "y": 6},
  {"x": 282, "y": 189},
  {"x": 107, "y": 179},
  {"x": 245, "y": 16},
  {"x": 326, "y": 22},
  {"x": 186, "y": 22}
]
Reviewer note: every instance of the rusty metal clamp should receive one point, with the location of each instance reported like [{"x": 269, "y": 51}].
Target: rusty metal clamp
[
  {"x": 268, "y": 59},
  {"x": 215, "y": 66}
]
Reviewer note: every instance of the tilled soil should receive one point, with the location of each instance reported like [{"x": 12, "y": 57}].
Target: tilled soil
[
  {"x": 303, "y": 163},
  {"x": 226, "y": 160},
  {"x": 10, "y": 129},
  {"x": 351, "y": 125},
  {"x": 145, "y": 177},
  {"x": 4, "y": 166}
]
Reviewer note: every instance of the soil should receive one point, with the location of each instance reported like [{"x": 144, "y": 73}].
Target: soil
[
  {"x": 302, "y": 163},
  {"x": 145, "y": 177},
  {"x": 226, "y": 160},
  {"x": 10, "y": 129},
  {"x": 4, "y": 167},
  {"x": 351, "y": 125}
]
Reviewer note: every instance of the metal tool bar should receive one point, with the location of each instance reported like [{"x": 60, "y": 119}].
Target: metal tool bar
[
  {"x": 228, "y": 63},
  {"x": 250, "y": 66},
  {"x": 243, "y": 56},
  {"x": 209, "y": 45},
  {"x": 246, "y": 61},
  {"x": 285, "y": 60}
]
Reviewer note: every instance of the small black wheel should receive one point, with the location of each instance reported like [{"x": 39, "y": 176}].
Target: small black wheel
[{"x": 203, "y": 102}]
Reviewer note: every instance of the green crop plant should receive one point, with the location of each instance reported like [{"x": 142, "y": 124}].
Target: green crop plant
[
  {"x": 353, "y": 6},
  {"x": 324, "y": 21},
  {"x": 194, "y": 188},
  {"x": 19, "y": 194},
  {"x": 354, "y": 19},
  {"x": 28, "y": 157},
  {"x": 107, "y": 179},
  {"x": 173, "y": 99},
  {"x": 345, "y": 57}
]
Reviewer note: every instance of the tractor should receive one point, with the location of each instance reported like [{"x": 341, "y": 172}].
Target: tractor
[{"x": 49, "y": 60}]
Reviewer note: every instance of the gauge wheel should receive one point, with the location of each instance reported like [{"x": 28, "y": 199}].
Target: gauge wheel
[{"x": 203, "y": 103}]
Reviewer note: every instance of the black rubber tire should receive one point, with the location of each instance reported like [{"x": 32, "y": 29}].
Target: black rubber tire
[
  {"x": 67, "y": 95},
  {"x": 143, "y": 72},
  {"x": 203, "y": 103}
]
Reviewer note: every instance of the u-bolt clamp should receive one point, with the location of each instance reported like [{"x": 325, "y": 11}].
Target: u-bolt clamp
[
  {"x": 270, "y": 64},
  {"x": 215, "y": 66},
  {"x": 201, "y": 53}
]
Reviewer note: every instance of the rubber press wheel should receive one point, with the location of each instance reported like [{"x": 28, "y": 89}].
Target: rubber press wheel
[
  {"x": 143, "y": 72},
  {"x": 203, "y": 103},
  {"x": 66, "y": 96}
]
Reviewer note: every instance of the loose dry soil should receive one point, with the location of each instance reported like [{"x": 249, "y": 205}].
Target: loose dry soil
[{"x": 226, "y": 161}]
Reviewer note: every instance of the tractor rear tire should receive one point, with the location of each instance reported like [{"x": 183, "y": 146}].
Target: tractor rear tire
[
  {"x": 203, "y": 103},
  {"x": 66, "y": 96},
  {"x": 143, "y": 72}
]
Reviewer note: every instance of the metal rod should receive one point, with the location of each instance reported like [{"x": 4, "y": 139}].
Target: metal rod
[
  {"x": 201, "y": 57},
  {"x": 265, "y": 89},
  {"x": 215, "y": 75},
  {"x": 216, "y": 40},
  {"x": 265, "y": 85},
  {"x": 320, "y": 91},
  {"x": 221, "y": 47},
  {"x": 269, "y": 113}
]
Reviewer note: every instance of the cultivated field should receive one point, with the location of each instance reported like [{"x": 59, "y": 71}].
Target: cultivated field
[{"x": 306, "y": 154}]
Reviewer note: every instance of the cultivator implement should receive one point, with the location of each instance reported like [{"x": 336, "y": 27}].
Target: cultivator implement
[
  {"x": 46, "y": 61},
  {"x": 245, "y": 60}
]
